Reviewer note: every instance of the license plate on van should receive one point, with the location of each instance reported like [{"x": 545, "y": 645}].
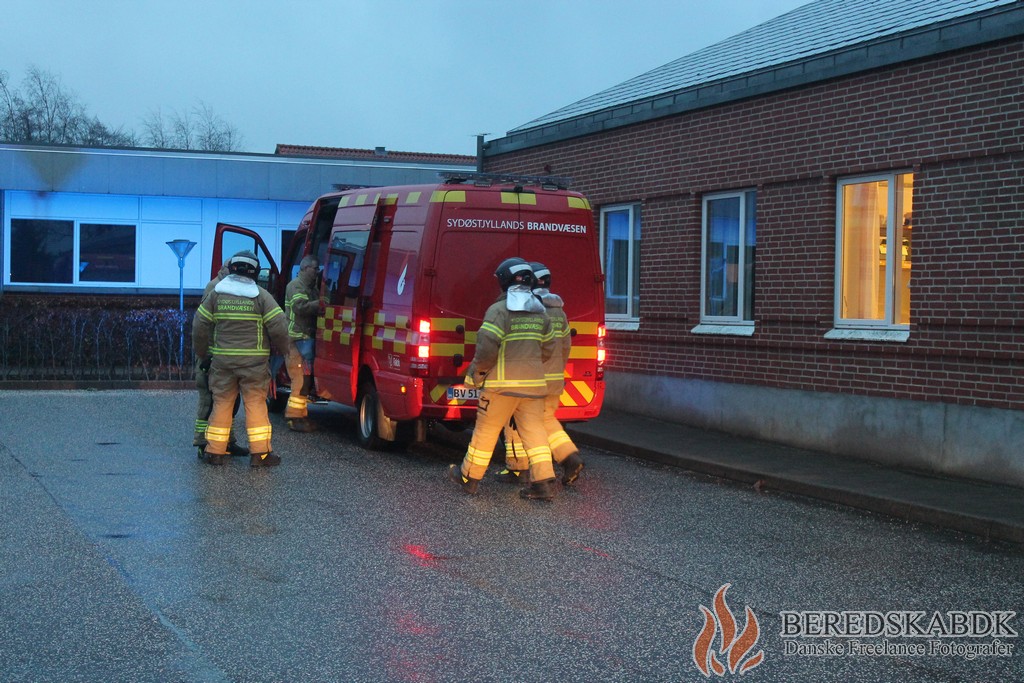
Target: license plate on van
[{"x": 464, "y": 393}]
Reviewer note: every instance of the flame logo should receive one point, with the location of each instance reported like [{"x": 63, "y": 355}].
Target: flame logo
[{"x": 732, "y": 648}]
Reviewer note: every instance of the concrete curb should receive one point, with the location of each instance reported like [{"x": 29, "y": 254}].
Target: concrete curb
[{"x": 986, "y": 527}]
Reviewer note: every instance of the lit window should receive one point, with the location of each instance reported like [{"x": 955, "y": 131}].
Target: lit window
[
  {"x": 620, "y": 257},
  {"x": 872, "y": 275},
  {"x": 727, "y": 248}
]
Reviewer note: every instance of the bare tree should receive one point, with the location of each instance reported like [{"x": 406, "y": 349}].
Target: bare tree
[
  {"x": 199, "y": 128},
  {"x": 45, "y": 111}
]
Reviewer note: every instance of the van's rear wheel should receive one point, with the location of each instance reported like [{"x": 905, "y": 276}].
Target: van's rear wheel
[{"x": 370, "y": 415}]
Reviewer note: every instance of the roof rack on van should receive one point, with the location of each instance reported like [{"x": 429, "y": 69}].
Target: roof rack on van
[
  {"x": 341, "y": 187},
  {"x": 488, "y": 179}
]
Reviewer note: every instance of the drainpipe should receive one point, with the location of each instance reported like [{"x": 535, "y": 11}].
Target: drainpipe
[{"x": 480, "y": 145}]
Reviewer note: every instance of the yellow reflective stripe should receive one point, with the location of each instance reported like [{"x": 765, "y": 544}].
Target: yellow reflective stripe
[
  {"x": 578, "y": 203},
  {"x": 296, "y": 401},
  {"x": 217, "y": 351},
  {"x": 511, "y": 383},
  {"x": 566, "y": 399},
  {"x": 390, "y": 199},
  {"x": 276, "y": 311},
  {"x": 526, "y": 336},
  {"x": 218, "y": 434},
  {"x": 559, "y": 438},
  {"x": 553, "y": 376},
  {"x": 588, "y": 352},
  {"x": 413, "y": 198},
  {"x": 448, "y": 196},
  {"x": 259, "y": 433},
  {"x": 344, "y": 201},
  {"x": 519, "y": 198},
  {"x": 447, "y": 349},
  {"x": 538, "y": 454},
  {"x": 205, "y": 313},
  {"x": 584, "y": 327},
  {"x": 493, "y": 329},
  {"x": 251, "y": 317},
  {"x": 446, "y": 324},
  {"x": 585, "y": 391},
  {"x": 476, "y": 456}
]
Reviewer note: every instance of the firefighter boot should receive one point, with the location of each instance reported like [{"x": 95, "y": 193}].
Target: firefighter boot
[
  {"x": 301, "y": 424},
  {"x": 236, "y": 450},
  {"x": 469, "y": 486},
  {"x": 213, "y": 458},
  {"x": 539, "y": 490},
  {"x": 264, "y": 460},
  {"x": 513, "y": 476},
  {"x": 571, "y": 468}
]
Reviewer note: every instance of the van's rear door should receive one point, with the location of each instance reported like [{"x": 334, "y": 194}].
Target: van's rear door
[{"x": 559, "y": 232}]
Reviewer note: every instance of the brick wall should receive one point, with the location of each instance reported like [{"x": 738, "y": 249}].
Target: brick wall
[{"x": 954, "y": 121}]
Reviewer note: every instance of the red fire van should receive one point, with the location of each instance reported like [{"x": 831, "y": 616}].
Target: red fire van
[{"x": 408, "y": 273}]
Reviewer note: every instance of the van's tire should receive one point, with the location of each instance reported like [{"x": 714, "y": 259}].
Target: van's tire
[{"x": 368, "y": 418}]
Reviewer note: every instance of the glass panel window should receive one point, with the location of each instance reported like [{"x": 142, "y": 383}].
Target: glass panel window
[
  {"x": 873, "y": 278},
  {"x": 42, "y": 251},
  {"x": 620, "y": 257},
  {"x": 729, "y": 240},
  {"x": 106, "y": 253}
]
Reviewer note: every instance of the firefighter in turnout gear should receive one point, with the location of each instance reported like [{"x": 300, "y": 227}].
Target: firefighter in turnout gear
[
  {"x": 205, "y": 402},
  {"x": 563, "y": 450},
  {"x": 302, "y": 304},
  {"x": 232, "y": 330},
  {"x": 512, "y": 345}
]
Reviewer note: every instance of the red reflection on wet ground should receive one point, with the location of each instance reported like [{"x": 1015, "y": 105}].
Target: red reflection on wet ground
[{"x": 424, "y": 557}]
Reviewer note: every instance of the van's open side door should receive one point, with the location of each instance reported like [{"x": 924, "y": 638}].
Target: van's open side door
[{"x": 231, "y": 239}]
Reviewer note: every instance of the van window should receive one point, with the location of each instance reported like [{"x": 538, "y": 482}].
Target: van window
[{"x": 343, "y": 270}]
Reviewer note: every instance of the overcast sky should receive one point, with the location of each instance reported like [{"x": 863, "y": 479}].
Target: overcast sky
[{"x": 408, "y": 75}]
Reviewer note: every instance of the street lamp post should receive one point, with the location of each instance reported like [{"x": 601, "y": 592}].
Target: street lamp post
[{"x": 181, "y": 249}]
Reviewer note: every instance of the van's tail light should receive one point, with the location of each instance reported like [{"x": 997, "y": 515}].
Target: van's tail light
[
  {"x": 419, "y": 363},
  {"x": 602, "y": 353}
]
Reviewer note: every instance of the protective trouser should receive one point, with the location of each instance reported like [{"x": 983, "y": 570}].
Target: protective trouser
[
  {"x": 226, "y": 383},
  {"x": 300, "y": 372},
  {"x": 492, "y": 415},
  {"x": 204, "y": 407},
  {"x": 559, "y": 442}
]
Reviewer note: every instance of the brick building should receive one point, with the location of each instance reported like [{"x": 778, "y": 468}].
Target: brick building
[{"x": 812, "y": 231}]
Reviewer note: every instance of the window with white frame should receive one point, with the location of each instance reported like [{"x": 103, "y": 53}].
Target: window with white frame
[
  {"x": 620, "y": 257},
  {"x": 873, "y": 251},
  {"x": 68, "y": 252},
  {"x": 729, "y": 238}
]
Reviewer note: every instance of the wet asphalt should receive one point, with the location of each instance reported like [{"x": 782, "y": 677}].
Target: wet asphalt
[{"x": 124, "y": 559}]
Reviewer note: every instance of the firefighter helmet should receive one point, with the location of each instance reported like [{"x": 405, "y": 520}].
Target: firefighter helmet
[
  {"x": 541, "y": 274},
  {"x": 514, "y": 271},
  {"x": 244, "y": 263}
]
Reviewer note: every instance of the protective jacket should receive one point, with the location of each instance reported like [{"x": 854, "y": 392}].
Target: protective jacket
[
  {"x": 512, "y": 345},
  {"x": 237, "y": 323},
  {"x": 302, "y": 304},
  {"x": 212, "y": 284},
  {"x": 554, "y": 367}
]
